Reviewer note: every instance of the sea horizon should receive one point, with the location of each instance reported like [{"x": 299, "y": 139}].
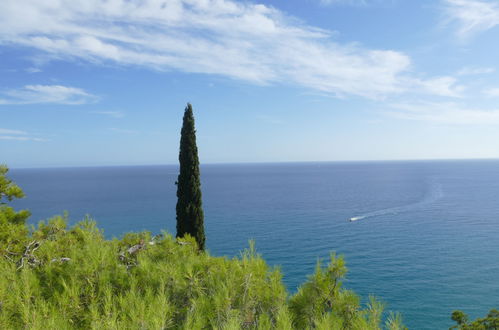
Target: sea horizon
[{"x": 265, "y": 163}]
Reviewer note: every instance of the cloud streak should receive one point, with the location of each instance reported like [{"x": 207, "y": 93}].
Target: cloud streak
[
  {"x": 123, "y": 130},
  {"x": 17, "y": 135},
  {"x": 445, "y": 113},
  {"x": 33, "y": 94},
  {"x": 472, "y": 71},
  {"x": 239, "y": 40},
  {"x": 472, "y": 16},
  {"x": 113, "y": 114},
  {"x": 359, "y": 3},
  {"x": 21, "y": 138},
  {"x": 492, "y": 92},
  {"x": 12, "y": 131}
]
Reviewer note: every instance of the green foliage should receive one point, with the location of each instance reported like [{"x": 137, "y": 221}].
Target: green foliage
[
  {"x": 190, "y": 217},
  {"x": 490, "y": 322},
  {"x": 321, "y": 303},
  {"x": 72, "y": 278},
  {"x": 9, "y": 191}
]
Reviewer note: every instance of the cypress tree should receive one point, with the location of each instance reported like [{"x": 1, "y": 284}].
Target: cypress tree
[{"x": 190, "y": 217}]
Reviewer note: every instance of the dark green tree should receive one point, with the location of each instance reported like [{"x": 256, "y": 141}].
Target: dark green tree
[
  {"x": 8, "y": 191},
  {"x": 190, "y": 217},
  {"x": 490, "y": 322}
]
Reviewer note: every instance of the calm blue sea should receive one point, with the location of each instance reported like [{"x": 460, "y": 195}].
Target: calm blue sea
[{"x": 425, "y": 239}]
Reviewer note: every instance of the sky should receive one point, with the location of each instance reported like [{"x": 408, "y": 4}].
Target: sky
[{"x": 105, "y": 82}]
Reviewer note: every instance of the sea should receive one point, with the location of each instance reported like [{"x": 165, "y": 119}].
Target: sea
[{"x": 421, "y": 236}]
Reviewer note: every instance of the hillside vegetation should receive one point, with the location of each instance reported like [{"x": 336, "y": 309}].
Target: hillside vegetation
[{"x": 58, "y": 278}]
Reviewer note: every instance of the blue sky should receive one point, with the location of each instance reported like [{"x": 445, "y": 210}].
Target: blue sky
[{"x": 94, "y": 82}]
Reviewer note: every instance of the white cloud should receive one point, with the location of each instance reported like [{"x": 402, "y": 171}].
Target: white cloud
[
  {"x": 492, "y": 92},
  {"x": 269, "y": 119},
  {"x": 33, "y": 70},
  {"x": 471, "y": 71},
  {"x": 114, "y": 114},
  {"x": 441, "y": 86},
  {"x": 21, "y": 138},
  {"x": 344, "y": 2},
  {"x": 239, "y": 40},
  {"x": 17, "y": 135},
  {"x": 445, "y": 113},
  {"x": 354, "y": 2},
  {"x": 472, "y": 16},
  {"x": 124, "y": 131},
  {"x": 31, "y": 94},
  {"x": 12, "y": 131}
]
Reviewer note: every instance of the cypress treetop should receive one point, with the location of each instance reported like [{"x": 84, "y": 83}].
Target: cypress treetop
[{"x": 190, "y": 217}]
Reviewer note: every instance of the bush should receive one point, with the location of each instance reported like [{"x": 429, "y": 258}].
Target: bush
[{"x": 490, "y": 322}]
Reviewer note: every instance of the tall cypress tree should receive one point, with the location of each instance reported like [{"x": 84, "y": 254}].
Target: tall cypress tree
[{"x": 190, "y": 217}]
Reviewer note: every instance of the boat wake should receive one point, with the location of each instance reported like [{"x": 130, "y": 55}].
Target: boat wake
[{"x": 433, "y": 195}]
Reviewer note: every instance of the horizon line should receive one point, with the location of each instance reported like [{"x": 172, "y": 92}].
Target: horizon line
[{"x": 261, "y": 163}]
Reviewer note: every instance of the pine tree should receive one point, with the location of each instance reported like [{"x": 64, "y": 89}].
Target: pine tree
[{"x": 190, "y": 217}]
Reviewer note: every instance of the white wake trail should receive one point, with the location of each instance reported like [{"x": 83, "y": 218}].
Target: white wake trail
[{"x": 433, "y": 195}]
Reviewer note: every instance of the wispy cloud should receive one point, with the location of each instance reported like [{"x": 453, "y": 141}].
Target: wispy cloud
[
  {"x": 113, "y": 114},
  {"x": 471, "y": 71},
  {"x": 441, "y": 86},
  {"x": 269, "y": 119},
  {"x": 445, "y": 113},
  {"x": 492, "y": 92},
  {"x": 361, "y": 3},
  {"x": 472, "y": 16},
  {"x": 344, "y": 2},
  {"x": 21, "y": 138},
  {"x": 123, "y": 130},
  {"x": 238, "y": 40},
  {"x": 18, "y": 135},
  {"x": 12, "y": 131},
  {"x": 33, "y": 70},
  {"x": 31, "y": 94}
]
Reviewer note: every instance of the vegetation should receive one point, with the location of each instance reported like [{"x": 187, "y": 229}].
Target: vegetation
[
  {"x": 54, "y": 277},
  {"x": 190, "y": 217},
  {"x": 490, "y": 322},
  {"x": 9, "y": 191}
]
